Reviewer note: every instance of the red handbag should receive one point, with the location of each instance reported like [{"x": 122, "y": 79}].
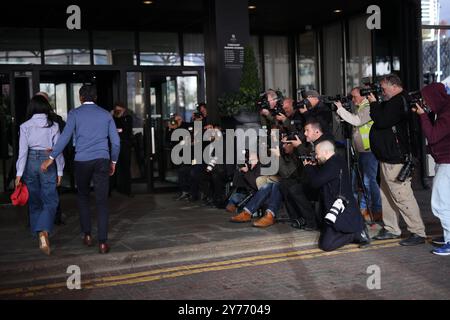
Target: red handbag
[{"x": 20, "y": 195}]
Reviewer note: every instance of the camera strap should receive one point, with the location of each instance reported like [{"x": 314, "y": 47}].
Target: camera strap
[
  {"x": 340, "y": 186},
  {"x": 408, "y": 133}
]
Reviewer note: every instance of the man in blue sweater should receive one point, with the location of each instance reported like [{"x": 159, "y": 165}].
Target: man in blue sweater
[{"x": 91, "y": 127}]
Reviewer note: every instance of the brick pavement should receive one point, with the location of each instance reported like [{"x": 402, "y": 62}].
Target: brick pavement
[{"x": 154, "y": 231}]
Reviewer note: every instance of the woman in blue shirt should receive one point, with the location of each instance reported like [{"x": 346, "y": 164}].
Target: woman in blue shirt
[{"x": 38, "y": 135}]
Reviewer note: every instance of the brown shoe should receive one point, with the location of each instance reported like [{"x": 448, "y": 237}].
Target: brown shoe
[
  {"x": 244, "y": 216},
  {"x": 266, "y": 221},
  {"x": 366, "y": 216},
  {"x": 44, "y": 243},
  {"x": 103, "y": 248},
  {"x": 88, "y": 240},
  {"x": 231, "y": 208}
]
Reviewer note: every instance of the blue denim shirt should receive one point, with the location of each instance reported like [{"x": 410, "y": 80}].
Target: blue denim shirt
[{"x": 35, "y": 135}]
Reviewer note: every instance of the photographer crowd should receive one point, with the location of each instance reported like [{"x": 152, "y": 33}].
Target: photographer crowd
[{"x": 313, "y": 183}]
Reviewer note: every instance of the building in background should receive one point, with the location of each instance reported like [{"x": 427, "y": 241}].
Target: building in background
[{"x": 165, "y": 56}]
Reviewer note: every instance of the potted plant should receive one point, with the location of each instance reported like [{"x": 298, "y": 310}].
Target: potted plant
[{"x": 241, "y": 105}]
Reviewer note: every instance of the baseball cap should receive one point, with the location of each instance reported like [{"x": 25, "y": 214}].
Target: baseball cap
[{"x": 312, "y": 93}]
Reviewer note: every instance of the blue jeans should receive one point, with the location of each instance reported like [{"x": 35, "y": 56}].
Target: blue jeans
[
  {"x": 43, "y": 200},
  {"x": 270, "y": 195},
  {"x": 236, "y": 198},
  {"x": 440, "y": 197},
  {"x": 368, "y": 165}
]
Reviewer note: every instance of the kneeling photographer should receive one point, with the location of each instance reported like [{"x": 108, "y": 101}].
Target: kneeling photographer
[
  {"x": 343, "y": 222},
  {"x": 367, "y": 162},
  {"x": 390, "y": 141}
]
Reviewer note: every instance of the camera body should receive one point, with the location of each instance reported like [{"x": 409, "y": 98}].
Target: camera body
[
  {"x": 346, "y": 102},
  {"x": 196, "y": 115},
  {"x": 263, "y": 102},
  {"x": 416, "y": 97},
  {"x": 407, "y": 169},
  {"x": 246, "y": 159},
  {"x": 301, "y": 104},
  {"x": 172, "y": 120},
  {"x": 291, "y": 135},
  {"x": 374, "y": 88},
  {"x": 308, "y": 157}
]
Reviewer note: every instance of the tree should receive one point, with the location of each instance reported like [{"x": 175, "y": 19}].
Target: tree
[{"x": 249, "y": 88}]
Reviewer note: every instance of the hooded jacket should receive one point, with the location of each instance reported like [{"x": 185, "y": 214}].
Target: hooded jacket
[{"x": 437, "y": 134}]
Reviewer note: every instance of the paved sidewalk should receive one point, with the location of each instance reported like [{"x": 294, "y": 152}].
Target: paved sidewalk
[{"x": 147, "y": 230}]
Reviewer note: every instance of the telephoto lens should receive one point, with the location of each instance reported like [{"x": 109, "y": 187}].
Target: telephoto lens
[
  {"x": 211, "y": 165},
  {"x": 337, "y": 208}
]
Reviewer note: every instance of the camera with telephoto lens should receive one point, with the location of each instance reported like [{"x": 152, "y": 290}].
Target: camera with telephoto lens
[
  {"x": 346, "y": 102},
  {"x": 301, "y": 104},
  {"x": 211, "y": 164},
  {"x": 336, "y": 209},
  {"x": 291, "y": 135},
  {"x": 374, "y": 88},
  {"x": 407, "y": 169},
  {"x": 416, "y": 97},
  {"x": 263, "y": 101}
]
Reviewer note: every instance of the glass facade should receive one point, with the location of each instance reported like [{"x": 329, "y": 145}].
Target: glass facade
[
  {"x": 114, "y": 48},
  {"x": 20, "y": 46},
  {"x": 332, "y": 60},
  {"x": 307, "y": 61},
  {"x": 277, "y": 64},
  {"x": 194, "y": 49},
  {"x": 359, "y": 63},
  {"x": 436, "y": 41},
  {"x": 68, "y": 47},
  {"x": 159, "y": 49}
]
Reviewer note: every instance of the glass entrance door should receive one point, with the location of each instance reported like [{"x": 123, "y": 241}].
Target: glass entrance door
[
  {"x": 168, "y": 95},
  {"x": 152, "y": 98}
]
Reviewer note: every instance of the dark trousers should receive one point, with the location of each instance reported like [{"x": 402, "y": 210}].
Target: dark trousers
[
  {"x": 197, "y": 173},
  {"x": 344, "y": 231},
  {"x": 122, "y": 178},
  {"x": 184, "y": 177},
  {"x": 297, "y": 203},
  {"x": 98, "y": 171},
  {"x": 331, "y": 239}
]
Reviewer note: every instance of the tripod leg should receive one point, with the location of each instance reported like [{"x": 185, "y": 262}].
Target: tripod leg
[{"x": 365, "y": 193}]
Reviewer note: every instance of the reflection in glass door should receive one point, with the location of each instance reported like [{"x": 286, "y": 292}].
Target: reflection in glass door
[
  {"x": 168, "y": 95},
  {"x": 151, "y": 99}
]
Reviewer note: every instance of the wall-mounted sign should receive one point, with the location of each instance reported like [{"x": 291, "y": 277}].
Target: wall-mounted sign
[{"x": 233, "y": 54}]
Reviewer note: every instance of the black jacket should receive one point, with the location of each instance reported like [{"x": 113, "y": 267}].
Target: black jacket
[
  {"x": 124, "y": 124},
  {"x": 389, "y": 140},
  {"x": 326, "y": 177},
  {"x": 247, "y": 180}
]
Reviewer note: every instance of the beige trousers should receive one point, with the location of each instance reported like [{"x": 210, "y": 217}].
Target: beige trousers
[{"x": 398, "y": 198}]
